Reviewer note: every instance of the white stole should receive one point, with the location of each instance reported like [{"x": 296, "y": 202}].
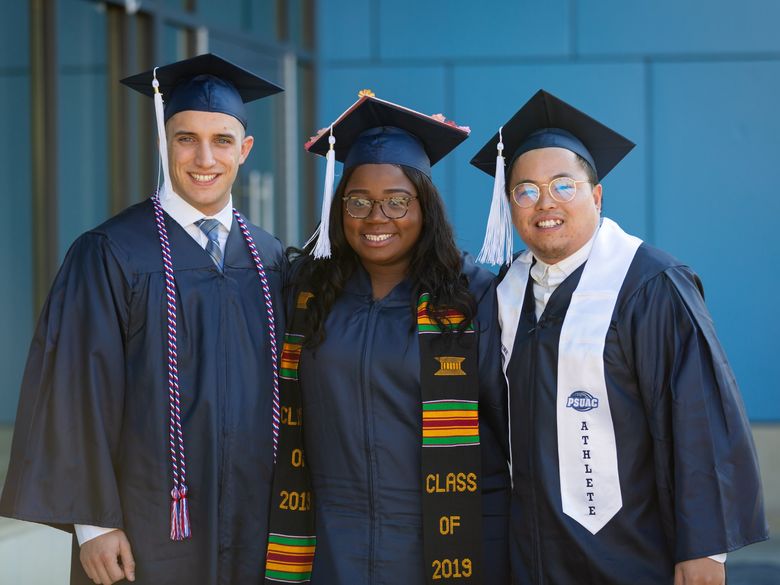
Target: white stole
[{"x": 587, "y": 453}]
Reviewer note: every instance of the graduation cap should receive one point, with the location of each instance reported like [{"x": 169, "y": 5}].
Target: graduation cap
[
  {"x": 544, "y": 121},
  {"x": 206, "y": 83},
  {"x": 375, "y": 131}
]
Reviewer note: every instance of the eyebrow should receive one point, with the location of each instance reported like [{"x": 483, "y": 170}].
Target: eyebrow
[
  {"x": 193, "y": 133},
  {"x": 385, "y": 192},
  {"x": 558, "y": 176}
]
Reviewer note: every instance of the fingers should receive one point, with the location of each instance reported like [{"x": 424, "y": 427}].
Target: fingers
[
  {"x": 678, "y": 576},
  {"x": 102, "y": 575},
  {"x": 89, "y": 566},
  {"x": 108, "y": 558},
  {"x": 110, "y": 563},
  {"x": 128, "y": 562},
  {"x": 103, "y": 570}
]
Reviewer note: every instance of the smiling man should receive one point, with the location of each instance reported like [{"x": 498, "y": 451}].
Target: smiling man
[
  {"x": 631, "y": 456},
  {"x": 159, "y": 334}
]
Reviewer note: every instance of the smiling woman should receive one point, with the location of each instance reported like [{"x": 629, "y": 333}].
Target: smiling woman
[
  {"x": 383, "y": 244},
  {"x": 392, "y": 353}
]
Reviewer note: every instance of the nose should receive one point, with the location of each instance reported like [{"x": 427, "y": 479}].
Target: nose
[
  {"x": 376, "y": 215},
  {"x": 204, "y": 156},
  {"x": 545, "y": 200}
]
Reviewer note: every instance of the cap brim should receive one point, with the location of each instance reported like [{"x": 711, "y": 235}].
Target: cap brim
[
  {"x": 544, "y": 110},
  {"x": 437, "y": 137},
  {"x": 249, "y": 86}
]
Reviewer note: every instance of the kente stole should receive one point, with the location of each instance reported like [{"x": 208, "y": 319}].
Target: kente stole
[{"x": 451, "y": 459}]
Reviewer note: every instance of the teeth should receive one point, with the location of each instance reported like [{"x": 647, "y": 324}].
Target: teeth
[
  {"x": 376, "y": 237},
  {"x": 202, "y": 178},
  {"x": 548, "y": 223}
]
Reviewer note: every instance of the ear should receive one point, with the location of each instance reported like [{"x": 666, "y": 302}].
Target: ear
[
  {"x": 597, "y": 196},
  {"x": 246, "y": 146}
]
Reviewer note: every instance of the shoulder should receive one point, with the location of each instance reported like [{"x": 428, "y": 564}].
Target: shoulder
[
  {"x": 656, "y": 275},
  {"x": 481, "y": 281},
  {"x": 133, "y": 237},
  {"x": 119, "y": 235},
  {"x": 504, "y": 268},
  {"x": 268, "y": 244},
  {"x": 129, "y": 222},
  {"x": 131, "y": 231}
]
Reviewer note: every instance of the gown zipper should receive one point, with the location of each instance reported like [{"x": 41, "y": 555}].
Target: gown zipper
[{"x": 365, "y": 377}]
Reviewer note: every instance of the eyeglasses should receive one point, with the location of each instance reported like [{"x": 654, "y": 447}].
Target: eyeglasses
[
  {"x": 394, "y": 207},
  {"x": 562, "y": 190}
]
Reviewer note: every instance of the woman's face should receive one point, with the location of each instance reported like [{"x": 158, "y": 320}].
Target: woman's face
[{"x": 381, "y": 242}]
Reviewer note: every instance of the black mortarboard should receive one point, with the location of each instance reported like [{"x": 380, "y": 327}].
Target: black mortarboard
[
  {"x": 546, "y": 121},
  {"x": 205, "y": 83},
  {"x": 375, "y": 131}
]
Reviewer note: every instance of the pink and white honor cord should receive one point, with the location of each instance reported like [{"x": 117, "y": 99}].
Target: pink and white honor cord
[{"x": 180, "y": 517}]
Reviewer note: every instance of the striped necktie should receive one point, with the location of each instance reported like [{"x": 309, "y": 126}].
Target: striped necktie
[{"x": 210, "y": 228}]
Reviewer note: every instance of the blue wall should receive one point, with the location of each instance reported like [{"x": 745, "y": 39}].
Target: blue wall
[
  {"x": 15, "y": 168},
  {"x": 695, "y": 84}
]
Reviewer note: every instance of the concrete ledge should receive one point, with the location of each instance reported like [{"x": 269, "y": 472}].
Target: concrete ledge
[{"x": 32, "y": 554}]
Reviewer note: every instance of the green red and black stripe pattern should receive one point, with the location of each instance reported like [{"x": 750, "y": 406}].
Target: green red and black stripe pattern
[
  {"x": 450, "y": 319},
  {"x": 289, "y": 558},
  {"x": 450, "y": 423},
  {"x": 291, "y": 356}
]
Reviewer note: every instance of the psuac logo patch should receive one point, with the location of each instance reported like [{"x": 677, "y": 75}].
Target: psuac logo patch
[{"x": 582, "y": 401}]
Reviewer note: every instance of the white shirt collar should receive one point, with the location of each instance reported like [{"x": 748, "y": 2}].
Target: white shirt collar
[
  {"x": 551, "y": 275},
  {"x": 185, "y": 214}
]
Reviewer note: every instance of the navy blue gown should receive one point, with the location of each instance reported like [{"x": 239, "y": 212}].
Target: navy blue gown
[
  {"x": 362, "y": 407},
  {"x": 91, "y": 436},
  {"x": 686, "y": 460}
]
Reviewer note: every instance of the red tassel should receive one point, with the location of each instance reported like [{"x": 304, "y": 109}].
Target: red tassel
[{"x": 184, "y": 514}]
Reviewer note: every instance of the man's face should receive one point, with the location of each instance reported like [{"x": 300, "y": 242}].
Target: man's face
[
  {"x": 205, "y": 150},
  {"x": 552, "y": 230}
]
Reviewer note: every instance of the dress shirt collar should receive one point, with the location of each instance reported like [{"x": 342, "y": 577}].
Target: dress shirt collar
[{"x": 185, "y": 214}]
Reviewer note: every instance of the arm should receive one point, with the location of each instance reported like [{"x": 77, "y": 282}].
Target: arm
[
  {"x": 706, "y": 467},
  {"x": 70, "y": 410}
]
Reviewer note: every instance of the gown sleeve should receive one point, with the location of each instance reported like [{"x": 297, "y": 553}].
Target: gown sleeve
[
  {"x": 707, "y": 475},
  {"x": 494, "y": 437},
  {"x": 492, "y": 387},
  {"x": 62, "y": 468}
]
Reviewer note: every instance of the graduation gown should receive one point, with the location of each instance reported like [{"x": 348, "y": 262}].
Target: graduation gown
[
  {"x": 686, "y": 460},
  {"x": 91, "y": 436},
  {"x": 363, "y": 435}
]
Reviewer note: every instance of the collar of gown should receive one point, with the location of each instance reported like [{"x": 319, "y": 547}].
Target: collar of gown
[{"x": 359, "y": 284}]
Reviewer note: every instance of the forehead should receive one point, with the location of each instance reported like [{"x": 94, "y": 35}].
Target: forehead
[
  {"x": 377, "y": 177},
  {"x": 543, "y": 163},
  {"x": 198, "y": 122}
]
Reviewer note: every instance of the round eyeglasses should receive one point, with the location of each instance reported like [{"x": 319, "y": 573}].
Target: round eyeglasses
[
  {"x": 562, "y": 190},
  {"x": 394, "y": 207}
]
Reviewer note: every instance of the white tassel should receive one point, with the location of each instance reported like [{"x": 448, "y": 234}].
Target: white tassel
[
  {"x": 322, "y": 248},
  {"x": 497, "y": 247},
  {"x": 163, "y": 143}
]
